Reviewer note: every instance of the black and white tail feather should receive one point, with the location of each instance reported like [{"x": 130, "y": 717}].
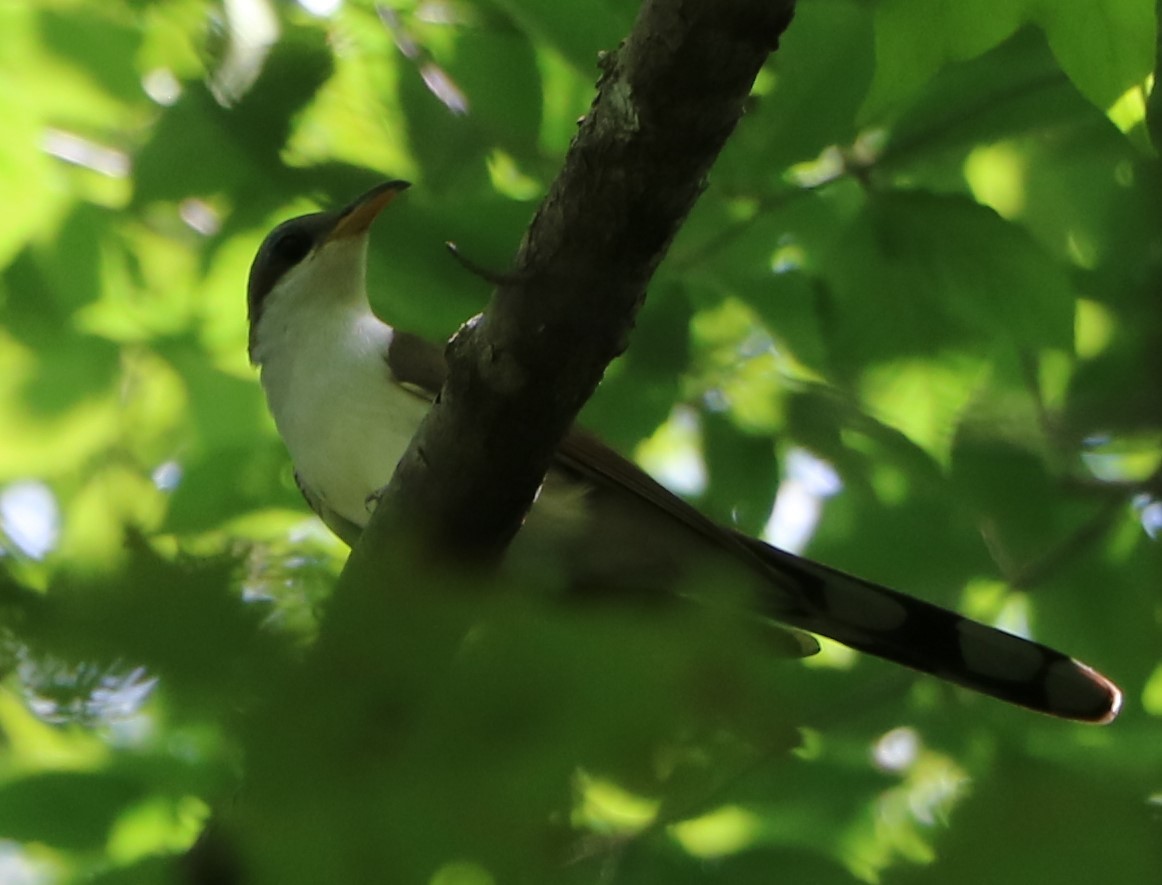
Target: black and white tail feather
[
  {"x": 861, "y": 614},
  {"x": 925, "y": 637}
]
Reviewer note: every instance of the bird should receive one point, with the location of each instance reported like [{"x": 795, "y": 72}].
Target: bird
[{"x": 347, "y": 391}]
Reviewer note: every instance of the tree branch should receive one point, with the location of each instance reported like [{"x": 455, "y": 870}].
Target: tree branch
[{"x": 666, "y": 102}]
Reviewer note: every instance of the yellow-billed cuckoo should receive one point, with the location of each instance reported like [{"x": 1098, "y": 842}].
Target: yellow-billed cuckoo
[{"x": 347, "y": 392}]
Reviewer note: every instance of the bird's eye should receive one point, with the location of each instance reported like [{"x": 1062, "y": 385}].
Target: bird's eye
[{"x": 292, "y": 247}]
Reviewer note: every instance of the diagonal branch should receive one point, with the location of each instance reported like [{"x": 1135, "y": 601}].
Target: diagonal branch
[{"x": 666, "y": 102}]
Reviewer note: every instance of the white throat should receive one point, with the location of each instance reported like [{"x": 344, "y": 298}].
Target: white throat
[{"x": 322, "y": 356}]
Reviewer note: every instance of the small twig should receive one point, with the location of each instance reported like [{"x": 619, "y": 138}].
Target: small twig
[
  {"x": 1035, "y": 573},
  {"x": 489, "y": 276},
  {"x": 997, "y": 552}
]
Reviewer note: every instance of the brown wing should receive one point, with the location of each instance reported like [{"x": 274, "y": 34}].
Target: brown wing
[
  {"x": 416, "y": 363},
  {"x": 586, "y": 455},
  {"x": 617, "y": 484}
]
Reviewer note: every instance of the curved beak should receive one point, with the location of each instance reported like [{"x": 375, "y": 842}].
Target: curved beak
[{"x": 356, "y": 217}]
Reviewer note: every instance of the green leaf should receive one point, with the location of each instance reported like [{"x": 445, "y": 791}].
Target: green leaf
[
  {"x": 201, "y": 148},
  {"x": 497, "y": 68},
  {"x": 577, "y": 31},
  {"x": 448, "y": 145},
  {"x": 1015, "y": 88},
  {"x": 743, "y": 473},
  {"x": 228, "y": 482},
  {"x": 915, "y": 38},
  {"x": 71, "y": 810},
  {"x": 642, "y": 386},
  {"x": 1006, "y": 816},
  {"x": 1106, "y": 48},
  {"x": 820, "y": 74},
  {"x": 918, "y": 274},
  {"x": 97, "y": 44},
  {"x": 412, "y": 279}
]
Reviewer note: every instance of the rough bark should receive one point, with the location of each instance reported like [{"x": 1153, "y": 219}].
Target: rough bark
[{"x": 666, "y": 102}]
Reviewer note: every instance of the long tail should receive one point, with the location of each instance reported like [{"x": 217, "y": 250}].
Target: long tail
[{"x": 890, "y": 625}]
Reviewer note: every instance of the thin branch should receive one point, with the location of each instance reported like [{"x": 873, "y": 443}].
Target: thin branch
[{"x": 1032, "y": 574}]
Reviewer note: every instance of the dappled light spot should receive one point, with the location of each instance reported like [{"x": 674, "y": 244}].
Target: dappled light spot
[
  {"x": 86, "y": 693},
  {"x": 200, "y": 216},
  {"x": 167, "y": 475},
  {"x": 673, "y": 454},
  {"x": 321, "y": 8},
  {"x": 996, "y": 174},
  {"x": 1149, "y": 514},
  {"x": 897, "y": 750},
  {"x": 253, "y": 29},
  {"x": 444, "y": 88},
  {"x": 81, "y": 151},
  {"x": 807, "y": 483},
  {"x": 724, "y": 831},
  {"x": 29, "y": 517},
  {"x": 20, "y": 866},
  {"x": 1128, "y": 111},
  {"x": 1094, "y": 326},
  {"x": 604, "y": 806},
  {"x": 162, "y": 86}
]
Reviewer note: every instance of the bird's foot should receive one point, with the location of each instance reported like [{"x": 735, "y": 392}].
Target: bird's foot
[{"x": 372, "y": 500}]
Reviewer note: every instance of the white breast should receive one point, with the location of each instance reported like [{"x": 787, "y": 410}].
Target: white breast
[{"x": 345, "y": 425}]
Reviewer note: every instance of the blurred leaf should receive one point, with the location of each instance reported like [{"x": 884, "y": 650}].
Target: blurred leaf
[
  {"x": 96, "y": 44},
  {"x": 528, "y": 728},
  {"x": 1020, "y": 507},
  {"x": 789, "y": 303},
  {"x": 412, "y": 280},
  {"x": 579, "y": 32},
  {"x": 497, "y": 68},
  {"x": 1016, "y": 87},
  {"x": 1132, "y": 358},
  {"x": 914, "y": 39},
  {"x": 448, "y": 144},
  {"x": 69, "y": 810},
  {"x": 641, "y": 387},
  {"x": 1105, "y": 832},
  {"x": 200, "y": 148},
  {"x": 41, "y": 290},
  {"x": 226, "y": 409},
  {"x": 229, "y": 482},
  {"x": 821, "y": 72},
  {"x": 744, "y": 474},
  {"x": 956, "y": 274},
  {"x": 1106, "y": 49},
  {"x": 181, "y": 621}
]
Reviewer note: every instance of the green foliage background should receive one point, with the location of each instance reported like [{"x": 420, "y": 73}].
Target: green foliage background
[{"x": 931, "y": 256}]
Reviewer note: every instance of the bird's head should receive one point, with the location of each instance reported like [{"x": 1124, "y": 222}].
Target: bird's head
[{"x": 314, "y": 257}]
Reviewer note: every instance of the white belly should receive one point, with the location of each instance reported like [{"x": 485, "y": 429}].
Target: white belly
[
  {"x": 354, "y": 450},
  {"x": 343, "y": 421}
]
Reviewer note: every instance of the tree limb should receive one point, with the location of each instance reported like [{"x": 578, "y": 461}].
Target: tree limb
[{"x": 666, "y": 102}]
